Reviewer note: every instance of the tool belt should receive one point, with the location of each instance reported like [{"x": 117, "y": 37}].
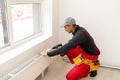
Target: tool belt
[{"x": 94, "y": 64}]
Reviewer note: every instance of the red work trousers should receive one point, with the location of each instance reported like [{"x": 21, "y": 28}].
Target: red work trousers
[
  {"x": 82, "y": 70},
  {"x": 78, "y": 72}
]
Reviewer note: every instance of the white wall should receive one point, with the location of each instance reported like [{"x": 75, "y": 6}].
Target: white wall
[
  {"x": 102, "y": 19},
  {"x": 15, "y": 62}
]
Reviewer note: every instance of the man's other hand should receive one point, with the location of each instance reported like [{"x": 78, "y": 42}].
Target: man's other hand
[{"x": 43, "y": 53}]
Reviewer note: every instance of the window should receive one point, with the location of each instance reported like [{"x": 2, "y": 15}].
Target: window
[
  {"x": 19, "y": 21},
  {"x": 25, "y": 20}
]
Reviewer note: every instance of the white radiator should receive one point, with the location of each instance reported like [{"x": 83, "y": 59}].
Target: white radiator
[{"x": 29, "y": 70}]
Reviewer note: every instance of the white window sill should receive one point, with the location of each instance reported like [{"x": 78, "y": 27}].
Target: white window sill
[{"x": 17, "y": 51}]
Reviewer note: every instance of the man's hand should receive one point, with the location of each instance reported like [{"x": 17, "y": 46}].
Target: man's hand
[
  {"x": 43, "y": 53},
  {"x": 62, "y": 54}
]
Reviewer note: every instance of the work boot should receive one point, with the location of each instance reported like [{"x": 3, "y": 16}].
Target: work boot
[{"x": 93, "y": 73}]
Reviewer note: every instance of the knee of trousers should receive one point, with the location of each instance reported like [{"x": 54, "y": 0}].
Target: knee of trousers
[{"x": 70, "y": 77}]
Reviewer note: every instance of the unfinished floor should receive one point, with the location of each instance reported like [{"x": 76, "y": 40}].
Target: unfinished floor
[{"x": 58, "y": 69}]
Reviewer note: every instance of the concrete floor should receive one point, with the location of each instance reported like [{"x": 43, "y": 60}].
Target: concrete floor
[{"x": 58, "y": 69}]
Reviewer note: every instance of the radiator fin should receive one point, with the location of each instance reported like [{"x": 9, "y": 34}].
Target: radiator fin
[{"x": 7, "y": 77}]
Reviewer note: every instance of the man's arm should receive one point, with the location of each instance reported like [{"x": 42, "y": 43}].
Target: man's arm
[{"x": 78, "y": 38}]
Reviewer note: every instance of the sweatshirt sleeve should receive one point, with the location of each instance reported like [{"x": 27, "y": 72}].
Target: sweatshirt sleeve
[{"x": 77, "y": 39}]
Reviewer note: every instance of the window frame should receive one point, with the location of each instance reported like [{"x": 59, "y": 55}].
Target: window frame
[{"x": 5, "y": 24}]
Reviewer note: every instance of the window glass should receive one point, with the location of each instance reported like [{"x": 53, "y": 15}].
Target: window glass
[
  {"x": 25, "y": 20},
  {"x": 1, "y": 31}
]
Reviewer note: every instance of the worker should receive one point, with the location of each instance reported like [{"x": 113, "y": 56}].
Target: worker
[{"x": 80, "y": 49}]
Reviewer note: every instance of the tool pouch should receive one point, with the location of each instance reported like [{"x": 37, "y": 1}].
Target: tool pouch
[
  {"x": 94, "y": 65},
  {"x": 78, "y": 60}
]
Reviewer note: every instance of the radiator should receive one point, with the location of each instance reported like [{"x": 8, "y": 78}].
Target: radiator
[{"x": 30, "y": 69}]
